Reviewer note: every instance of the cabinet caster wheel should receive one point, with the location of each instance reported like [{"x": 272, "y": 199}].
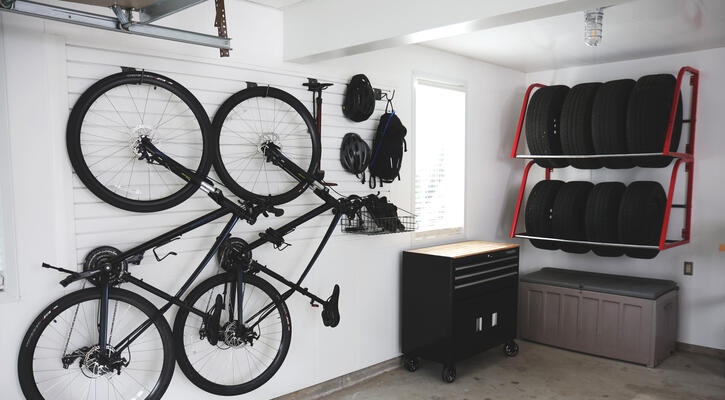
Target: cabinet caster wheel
[
  {"x": 511, "y": 349},
  {"x": 411, "y": 363},
  {"x": 448, "y": 374}
]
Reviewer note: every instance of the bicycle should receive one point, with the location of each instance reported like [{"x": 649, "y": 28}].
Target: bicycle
[{"x": 77, "y": 335}]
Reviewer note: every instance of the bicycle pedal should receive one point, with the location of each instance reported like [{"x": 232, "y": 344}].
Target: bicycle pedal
[{"x": 331, "y": 311}]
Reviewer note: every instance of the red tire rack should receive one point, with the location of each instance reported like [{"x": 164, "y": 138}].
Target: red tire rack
[{"x": 687, "y": 158}]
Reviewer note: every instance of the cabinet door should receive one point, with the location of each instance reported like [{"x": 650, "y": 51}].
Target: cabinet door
[{"x": 484, "y": 321}]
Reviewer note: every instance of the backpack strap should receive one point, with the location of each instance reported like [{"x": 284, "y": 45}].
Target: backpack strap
[{"x": 380, "y": 143}]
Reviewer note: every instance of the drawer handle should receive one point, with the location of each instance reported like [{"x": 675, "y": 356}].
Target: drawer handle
[
  {"x": 485, "y": 280},
  {"x": 487, "y": 271},
  {"x": 461, "y": 268}
]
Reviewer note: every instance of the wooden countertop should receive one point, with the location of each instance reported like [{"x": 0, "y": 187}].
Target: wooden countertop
[{"x": 464, "y": 249}]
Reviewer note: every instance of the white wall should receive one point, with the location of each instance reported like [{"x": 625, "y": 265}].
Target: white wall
[
  {"x": 366, "y": 268},
  {"x": 702, "y": 299}
]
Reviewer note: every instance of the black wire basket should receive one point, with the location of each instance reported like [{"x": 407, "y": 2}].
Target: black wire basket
[{"x": 366, "y": 224}]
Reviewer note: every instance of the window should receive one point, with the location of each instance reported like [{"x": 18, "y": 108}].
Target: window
[
  {"x": 440, "y": 148},
  {"x": 2, "y": 248}
]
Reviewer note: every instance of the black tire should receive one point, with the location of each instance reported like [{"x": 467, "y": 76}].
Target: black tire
[
  {"x": 609, "y": 121},
  {"x": 576, "y": 125},
  {"x": 601, "y": 217},
  {"x": 538, "y": 213},
  {"x": 567, "y": 217},
  {"x": 648, "y": 114},
  {"x": 52, "y": 313},
  {"x": 543, "y": 124},
  {"x": 511, "y": 349},
  {"x": 411, "y": 363},
  {"x": 640, "y": 217},
  {"x": 92, "y": 164},
  {"x": 257, "y": 285},
  {"x": 228, "y": 140},
  {"x": 448, "y": 374}
]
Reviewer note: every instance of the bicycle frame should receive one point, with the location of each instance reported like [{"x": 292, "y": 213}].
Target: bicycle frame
[{"x": 237, "y": 212}]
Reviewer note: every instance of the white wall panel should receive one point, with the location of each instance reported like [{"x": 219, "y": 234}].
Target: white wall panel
[{"x": 98, "y": 224}]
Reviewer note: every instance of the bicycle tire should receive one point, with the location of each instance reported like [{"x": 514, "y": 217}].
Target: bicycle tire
[
  {"x": 128, "y": 196},
  {"x": 55, "y": 309},
  {"x": 181, "y": 323},
  {"x": 228, "y": 138}
]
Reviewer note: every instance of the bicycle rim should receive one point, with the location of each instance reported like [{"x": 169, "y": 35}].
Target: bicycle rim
[
  {"x": 251, "y": 118},
  {"x": 68, "y": 328},
  {"x": 107, "y": 124},
  {"x": 233, "y": 366}
]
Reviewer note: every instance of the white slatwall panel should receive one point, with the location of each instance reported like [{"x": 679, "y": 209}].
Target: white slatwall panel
[{"x": 98, "y": 223}]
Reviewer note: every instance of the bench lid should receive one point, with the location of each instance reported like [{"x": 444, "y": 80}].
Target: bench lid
[{"x": 631, "y": 286}]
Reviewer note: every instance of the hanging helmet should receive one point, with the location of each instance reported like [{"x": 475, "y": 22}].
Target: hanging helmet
[
  {"x": 359, "y": 102},
  {"x": 354, "y": 154}
]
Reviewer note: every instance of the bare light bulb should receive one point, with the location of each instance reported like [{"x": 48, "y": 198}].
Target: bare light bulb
[{"x": 593, "y": 27}]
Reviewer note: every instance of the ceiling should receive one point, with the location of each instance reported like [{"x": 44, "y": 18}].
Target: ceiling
[
  {"x": 277, "y": 3},
  {"x": 642, "y": 28}
]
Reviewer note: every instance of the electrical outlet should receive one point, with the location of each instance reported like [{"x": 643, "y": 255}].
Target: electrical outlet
[{"x": 689, "y": 266}]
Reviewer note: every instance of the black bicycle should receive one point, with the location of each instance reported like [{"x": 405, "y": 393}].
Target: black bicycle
[{"x": 233, "y": 330}]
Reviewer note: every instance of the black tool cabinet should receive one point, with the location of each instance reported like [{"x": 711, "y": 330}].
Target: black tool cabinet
[{"x": 458, "y": 300}]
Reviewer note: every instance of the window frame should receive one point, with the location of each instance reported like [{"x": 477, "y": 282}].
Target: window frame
[
  {"x": 447, "y": 234},
  {"x": 10, "y": 291}
]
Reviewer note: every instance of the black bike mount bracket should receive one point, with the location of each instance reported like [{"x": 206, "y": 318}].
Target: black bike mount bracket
[
  {"x": 251, "y": 84},
  {"x": 276, "y": 238}
]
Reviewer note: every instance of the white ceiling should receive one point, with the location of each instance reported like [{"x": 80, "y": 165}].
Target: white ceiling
[
  {"x": 277, "y": 3},
  {"x": 639, "y": 29}
]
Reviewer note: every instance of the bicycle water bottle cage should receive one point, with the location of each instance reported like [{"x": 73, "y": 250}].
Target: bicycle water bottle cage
[
  {"x": 171, "y": 253},
  {"x": 330, "y": 310}
]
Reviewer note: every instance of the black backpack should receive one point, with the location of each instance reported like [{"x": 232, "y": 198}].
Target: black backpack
[
  {"x": 359, "y": 101},
  {"x": 388, "y": 147}
]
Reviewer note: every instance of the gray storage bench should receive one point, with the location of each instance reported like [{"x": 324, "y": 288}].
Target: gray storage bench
[{"x": 622, "y": 317}]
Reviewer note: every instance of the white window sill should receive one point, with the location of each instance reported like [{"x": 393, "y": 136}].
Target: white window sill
[{"x": 438, "y": 235}]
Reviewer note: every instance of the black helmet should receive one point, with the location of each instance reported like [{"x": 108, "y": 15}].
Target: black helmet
[
  {"x": 354, "y": 154},
  {"x": 359, "y": 102}
]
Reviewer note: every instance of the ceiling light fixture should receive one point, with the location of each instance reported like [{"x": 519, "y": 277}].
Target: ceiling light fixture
[{"x": 593, "y": 27}]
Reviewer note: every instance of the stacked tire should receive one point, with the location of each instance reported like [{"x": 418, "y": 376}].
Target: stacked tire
[
  {"x": 617, "y": 117},
  {"x": 608, "y": 212}
]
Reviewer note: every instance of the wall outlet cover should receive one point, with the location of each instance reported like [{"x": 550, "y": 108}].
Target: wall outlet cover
[{"x": 689, "y": 266}]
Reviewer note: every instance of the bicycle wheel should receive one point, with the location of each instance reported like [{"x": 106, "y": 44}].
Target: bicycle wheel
[
  {"x": 251, "y": 118},
  {"x": 238, "y": 363},
  {"x": 109, "y": 120},
  {"x": 60, "y": 358}
]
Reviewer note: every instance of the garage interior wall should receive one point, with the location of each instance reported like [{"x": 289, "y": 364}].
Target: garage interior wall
[{"x": 366, "y": 268}]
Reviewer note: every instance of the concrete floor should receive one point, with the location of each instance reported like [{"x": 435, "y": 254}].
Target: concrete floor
[{"x": 541, "y": 372}]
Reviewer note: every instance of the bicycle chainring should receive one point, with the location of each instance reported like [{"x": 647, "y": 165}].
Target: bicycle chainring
[
  {"x": 231, "y": 255},
  {"x": 98, "y": 259}
]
